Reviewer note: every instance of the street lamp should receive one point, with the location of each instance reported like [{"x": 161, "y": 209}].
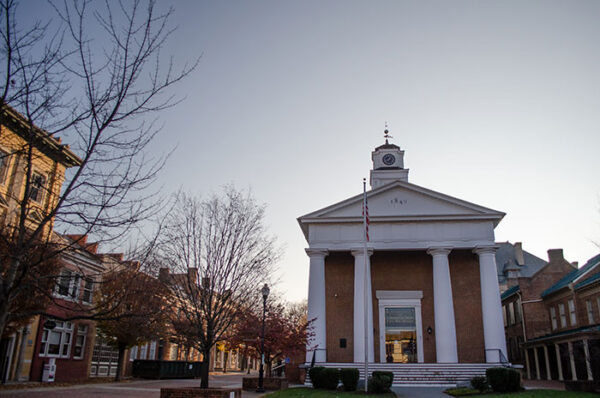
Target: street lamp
[{"x": 261, "y": 371}]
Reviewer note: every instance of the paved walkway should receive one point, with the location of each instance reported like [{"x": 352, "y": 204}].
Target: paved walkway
[
  {"x": 132, "y": 389},
  {"x": 420, "y": 392}
]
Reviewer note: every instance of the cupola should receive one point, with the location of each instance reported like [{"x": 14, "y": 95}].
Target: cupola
[{"x": 388, "y": 163}]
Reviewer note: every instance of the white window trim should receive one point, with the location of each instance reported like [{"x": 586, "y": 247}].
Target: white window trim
[
  {"x": 400, "y": 299},
  {"x": 553, "y": 318},
  {"x": 82, "y": 330},
  {"x": 133, "y": 353},
  {"x": 572, "y": 313},
  {"x": 152, "y": 350},
  {"x": 74, "y": 283},
  {"x": 83, "y": 289},
  {"x": 63, "y": 331},
  {"x": 563, "y": 315},
  {"x": 511, "y": 313},
  {"x": 42, "y": 190}
]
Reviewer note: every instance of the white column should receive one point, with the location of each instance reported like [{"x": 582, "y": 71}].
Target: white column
[
  {"x": 316, "y": 305},
  {"x": 360, "y": 273},
  {"x": 491, "y": 307},
  {"x": 588, "y": 360},
  {"x": 558, "y": 362},
  {"x": 527, "y": 364},
  {"x": 572, "y": 359},
  {"x": 443, "y": 308},
  {"x": 537, "y": 364},
  {"x": 547, "y": 357}
]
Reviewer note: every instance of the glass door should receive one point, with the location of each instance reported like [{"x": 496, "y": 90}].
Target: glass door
[{"x": 400, "y": 335}]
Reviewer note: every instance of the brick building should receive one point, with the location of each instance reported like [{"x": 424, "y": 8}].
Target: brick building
[
  {"x": 568, "y": 347},
  {"x": 69, "y": 342},
  {"x": 524, "y": 312},
  {"x": 428, "y": 274},
  {"x": 47, "y": 165}
]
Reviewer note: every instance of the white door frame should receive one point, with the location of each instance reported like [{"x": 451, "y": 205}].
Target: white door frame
[{"x": 400, "y": 299}]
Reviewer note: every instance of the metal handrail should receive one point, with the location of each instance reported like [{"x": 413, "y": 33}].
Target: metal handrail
[{"x": 503, "y": 360}]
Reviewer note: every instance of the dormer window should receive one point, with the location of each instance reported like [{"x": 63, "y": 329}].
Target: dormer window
[{"x": 37, "y": 186}]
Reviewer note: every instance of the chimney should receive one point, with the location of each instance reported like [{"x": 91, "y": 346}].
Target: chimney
[
  {"x": 79, "y": 239},
  {"x": 519, "y": 253},
  {"x": 575, "y": 264},
  {"x": 555, "y": 255},
  {"x": 193, "y": 274},
  {"x": 206, "y": 283},
  {"x": 163, "y": 274},
  {"x": 92, "y": 247}
]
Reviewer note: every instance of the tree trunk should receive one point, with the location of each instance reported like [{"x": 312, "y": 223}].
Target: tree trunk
[
  {"x": 120, "y": 361},
  {"x": 225, "y": 358},
  {"x": 204, "y": 369}
]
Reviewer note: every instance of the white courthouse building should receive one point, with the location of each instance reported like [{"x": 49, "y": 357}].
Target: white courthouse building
[{"x": 433, "y": 308}]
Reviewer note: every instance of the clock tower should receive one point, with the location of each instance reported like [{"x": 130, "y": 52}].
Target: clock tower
[{"x": 388, "y": 164}]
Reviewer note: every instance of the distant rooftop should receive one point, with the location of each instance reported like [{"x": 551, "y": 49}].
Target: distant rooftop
[
  {"x": 507, "y": 259},
  {"x": 573, "y": 275}
]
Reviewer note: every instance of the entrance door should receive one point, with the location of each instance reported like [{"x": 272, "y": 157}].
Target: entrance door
[
  {"x": 400, "y": 335},
  {"x": 400, "y": 330}
]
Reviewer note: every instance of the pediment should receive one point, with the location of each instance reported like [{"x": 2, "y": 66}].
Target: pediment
[{"x": 401, "y": 200}]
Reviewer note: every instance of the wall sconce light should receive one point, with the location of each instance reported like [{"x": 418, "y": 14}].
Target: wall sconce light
[{"x": 429, "y": 330}]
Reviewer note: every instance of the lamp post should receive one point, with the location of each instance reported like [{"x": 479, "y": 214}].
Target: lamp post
[{"x": 261, "y": 371}]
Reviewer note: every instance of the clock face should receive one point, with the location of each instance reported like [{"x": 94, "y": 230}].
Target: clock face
[{"x": 389, "y": 159}]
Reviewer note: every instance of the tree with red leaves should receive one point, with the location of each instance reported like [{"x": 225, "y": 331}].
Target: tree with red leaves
[
  {"x": 140, "y": 315},
  {"x": 286, "y": 331}
]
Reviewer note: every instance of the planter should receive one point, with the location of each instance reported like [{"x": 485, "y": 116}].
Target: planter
[
  {"x": 269, "y": 383},
  {"x": 196, "y": 392}
]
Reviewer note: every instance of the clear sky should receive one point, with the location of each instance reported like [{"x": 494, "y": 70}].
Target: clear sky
[{"x": 495, "y": 102}]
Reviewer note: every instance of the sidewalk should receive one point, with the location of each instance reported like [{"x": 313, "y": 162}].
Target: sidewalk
[
  {"x": 128, "y": 389},
  {"x": 543, "y": 385}
]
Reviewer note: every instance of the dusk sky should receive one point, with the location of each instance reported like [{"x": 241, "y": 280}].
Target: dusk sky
[{"x": 494, "y": 102}]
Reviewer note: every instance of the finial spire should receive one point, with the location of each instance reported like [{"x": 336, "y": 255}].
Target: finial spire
[{"x": 386, "y": 133}]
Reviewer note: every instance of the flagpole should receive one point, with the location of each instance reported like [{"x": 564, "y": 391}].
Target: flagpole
[{"x": 365, "y": 286}]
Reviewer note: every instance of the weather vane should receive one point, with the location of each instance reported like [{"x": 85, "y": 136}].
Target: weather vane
[{"x": 386, "y": 133}]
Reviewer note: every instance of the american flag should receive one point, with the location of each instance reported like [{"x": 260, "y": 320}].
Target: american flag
[{"x": 365, "y": 214}]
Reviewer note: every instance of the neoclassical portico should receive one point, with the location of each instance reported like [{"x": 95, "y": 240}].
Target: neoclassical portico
[{"x": 429, "y": 258}]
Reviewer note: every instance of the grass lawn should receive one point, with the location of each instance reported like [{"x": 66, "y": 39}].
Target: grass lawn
[
  {"x": 307, "y": 392},
  {"x": 544, "y": 394}
]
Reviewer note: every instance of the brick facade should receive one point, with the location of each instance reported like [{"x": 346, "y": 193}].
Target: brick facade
[{"x": 405, "y": 270}]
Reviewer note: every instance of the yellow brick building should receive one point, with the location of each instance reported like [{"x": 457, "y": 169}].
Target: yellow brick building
[{"x": 24, "y": 146}]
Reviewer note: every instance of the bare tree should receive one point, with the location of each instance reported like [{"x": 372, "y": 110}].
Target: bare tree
[
  {"x": 221, "y": 255},
  {"x": 102, "y": 96}
]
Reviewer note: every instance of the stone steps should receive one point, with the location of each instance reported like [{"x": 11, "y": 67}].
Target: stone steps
[{"x": 421, "y": 374}]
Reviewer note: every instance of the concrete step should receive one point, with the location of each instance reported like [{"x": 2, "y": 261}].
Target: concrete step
[{"x": 420, "y": 373}]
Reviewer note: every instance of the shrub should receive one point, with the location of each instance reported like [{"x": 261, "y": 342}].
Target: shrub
[
  {"x": 388, "y": 375},
  {"x": 378, "y": 385},
  {"x": 479, "y": 383},
  {"x": 503, "y": 379},
  {"x": 315, "y": 374},
  {"x": 330, "y": 378},
  {"x": 349, "y": 378}
]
